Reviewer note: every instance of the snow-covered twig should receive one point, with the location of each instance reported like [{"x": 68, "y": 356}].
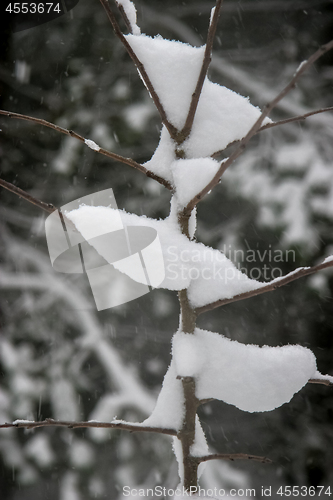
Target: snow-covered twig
[
  {"x": 126, "y": 426},
  {"x": 75, "y": 135},
  {"x": 203, "y": 72},
  {"x": 257, "y": 125},
  {"x": 171, "y": 129},
  {"x": 277, "y": 283},
  {"x": 125, "y": 17}
]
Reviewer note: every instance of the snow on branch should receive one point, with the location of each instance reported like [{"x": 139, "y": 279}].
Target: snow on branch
[
  {"x": 128, "y": 12},
  {"x": 90, "y": 144},
  {"x": 203, "y": 72},
  {"x": 273, "y": 285},
  {"x": 141, "y": 69},
  {"x": 257, "y": 125},
  {"x": 117, "y": 424}
]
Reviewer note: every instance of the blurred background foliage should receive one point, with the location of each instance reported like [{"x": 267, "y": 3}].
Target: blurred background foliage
[{"x": 58, "y": 362}]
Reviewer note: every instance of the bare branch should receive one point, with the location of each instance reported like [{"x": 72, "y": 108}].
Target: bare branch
[
  {"x": 187, "y": 433},
  {"x": 280, "y": 122},
  {"x": 48, "y": 207},
  {"x": 320, "y": 381},
  {"x": 203, "y": 72},
  {"x": 277, "y": 283},
  {"x": 105, "y": 152},
  {"x": 171, "y": 129},
  {"x": 126, "y": 426},
  {"x": 257, "y": 125},
  {"x": 232, "y": 457},
  {"x": 124, "y": 16},
  {"x": 295, "y": 118}
]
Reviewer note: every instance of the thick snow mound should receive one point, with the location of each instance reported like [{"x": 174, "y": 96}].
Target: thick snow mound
[
  {"x": 191, "y": 176},
  {"x": 250, "y": 377},
  {"x": 173, "y": 68},
  {"x": 169, "y": 410},
  {"x": 222, "y": 116},
  {"x": 207, "y": 273}
]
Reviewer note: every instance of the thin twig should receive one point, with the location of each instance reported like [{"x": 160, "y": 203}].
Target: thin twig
[
  {"x": 320, "y": 381},
  {"x": 124, "y": 16},
  {"x": 48, "y": 207},
  {"x": 105, "y": 152},
  {"x": 126, "y": 426},
  {"x": 233, "y": 456},
  {"x": 185, "y": 132},
  {"x": 257, "y": 125},
  {"x": 295, "y": 118},
  {"x": 171, "y": 129},
  {"x": 294, "y": 275},
  {"x": 278, "y": 123}
]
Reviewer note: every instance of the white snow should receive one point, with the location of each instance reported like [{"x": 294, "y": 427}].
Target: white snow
[
  {"x": 300, "y": 67},
  {"x": 207, "y": 273},
  {"x": 187, "y": 358},
  {"x": 249, "y": 377},
  {"x": 320, "y": 376},
  {"x": 169, "y": 409},
  {"x": 173, "y": 68},
  {"x": 130, "y": 12},
  {"x": 163, "y": 157},
  {"x": 222, "y": 116},
  {"x": 92, "y": 145},
  {"x": 92, "y": 223},
  {"x": 191, "y": 176},
  {"x": 215, "y": 277},
  {"x": 192, "y": 223},
  {"x": 212, "y": 12},
  {"x": 198, "y": 449},
  {"x": 328, "y": 259},
  {"x": 20, "y": 421}
]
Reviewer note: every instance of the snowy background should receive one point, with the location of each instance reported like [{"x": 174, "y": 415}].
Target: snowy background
[{"x": 57, "y": 361}]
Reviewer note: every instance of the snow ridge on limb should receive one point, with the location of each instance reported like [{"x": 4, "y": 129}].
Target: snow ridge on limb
[
  {"x": 90, "y": 424},
  {"x": 128, "y": 11},
  {"x": 188, "y": 264},
  {"x": 214, "y": 19},
  {"x": 140, "y": 67},
  {"x": 252, "y": 378},
  {"x": 269, "y": 287}
]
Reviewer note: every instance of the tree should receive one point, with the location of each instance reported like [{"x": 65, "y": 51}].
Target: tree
[{"x": 188, "y": 197}]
